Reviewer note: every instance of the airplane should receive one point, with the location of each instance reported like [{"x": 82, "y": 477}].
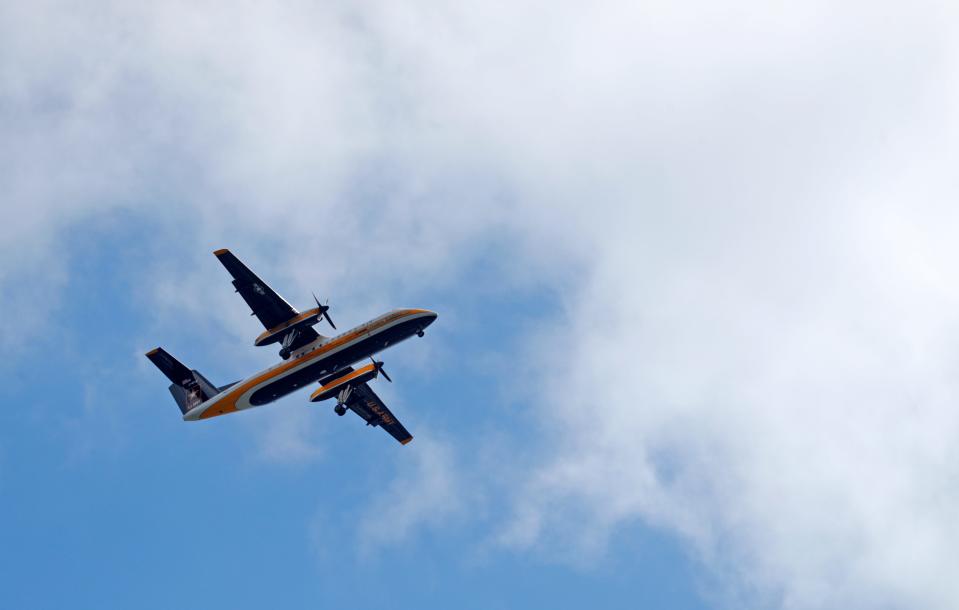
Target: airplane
[{"x": 307, "y": 357}]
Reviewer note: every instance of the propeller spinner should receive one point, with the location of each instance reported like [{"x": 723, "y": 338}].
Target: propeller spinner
[{"x": 378, "y": 365}]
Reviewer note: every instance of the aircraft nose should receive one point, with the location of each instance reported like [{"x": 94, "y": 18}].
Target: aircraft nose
[{"x": 431, "y": 317}]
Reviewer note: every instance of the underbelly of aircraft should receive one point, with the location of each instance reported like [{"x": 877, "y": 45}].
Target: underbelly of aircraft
[{"x": 360, "y": 350}]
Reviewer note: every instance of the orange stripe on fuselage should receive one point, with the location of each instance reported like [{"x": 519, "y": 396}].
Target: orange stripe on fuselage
[{"x": 227, "y": 404}]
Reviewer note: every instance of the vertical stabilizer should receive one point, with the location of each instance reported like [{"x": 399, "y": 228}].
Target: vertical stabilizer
[{"x": 189, "y": 387}]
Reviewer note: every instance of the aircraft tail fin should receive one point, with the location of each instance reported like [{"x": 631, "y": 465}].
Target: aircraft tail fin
[{"x": 189, "y": 387}]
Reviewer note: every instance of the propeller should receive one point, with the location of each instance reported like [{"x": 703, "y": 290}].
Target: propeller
[
  {"x": 323, "y": 309},
  {"x": 378, "y": 366}
]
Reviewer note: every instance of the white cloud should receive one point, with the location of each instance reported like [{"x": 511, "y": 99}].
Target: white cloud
[
  {"x": 427, "y": 492},
  {"x": 286, "y": 435},
  {"x": 749, "y": 208}
]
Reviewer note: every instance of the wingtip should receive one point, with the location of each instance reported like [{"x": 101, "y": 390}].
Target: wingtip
[
  {"x": 220, "y": 252},
  {"x": 407, "y": 441},
  {"x": 152, "y": 351}
]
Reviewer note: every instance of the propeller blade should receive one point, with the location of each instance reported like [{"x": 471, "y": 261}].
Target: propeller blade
[
  {"x": 378, "y": 365},
  {"x": 327, "y": 316},
  {"x": 323, "y": 309}
]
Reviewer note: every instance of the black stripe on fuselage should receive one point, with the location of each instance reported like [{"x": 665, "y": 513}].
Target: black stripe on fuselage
[{"x": 364, "y": 348}]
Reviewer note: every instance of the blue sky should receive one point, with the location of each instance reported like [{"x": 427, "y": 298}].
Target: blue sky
[
  {"x": 107, "y": 488},
  {"x": 695, "y": 270}
]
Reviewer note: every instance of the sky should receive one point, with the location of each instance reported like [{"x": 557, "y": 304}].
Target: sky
[{"x": 694, "y": 265}]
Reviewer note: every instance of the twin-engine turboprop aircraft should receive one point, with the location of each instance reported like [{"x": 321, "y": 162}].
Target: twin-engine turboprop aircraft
[{"x": 307, "y": 356}]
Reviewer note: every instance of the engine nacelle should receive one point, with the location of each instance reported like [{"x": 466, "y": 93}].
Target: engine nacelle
[
  {"x": 332, "y": 387},
  {"x": 276, "y": 334}
]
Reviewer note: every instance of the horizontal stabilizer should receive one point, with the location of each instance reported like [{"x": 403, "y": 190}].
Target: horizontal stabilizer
[
  {"x": 170, "y": 366},
  {"x": 223, "y": 388}
]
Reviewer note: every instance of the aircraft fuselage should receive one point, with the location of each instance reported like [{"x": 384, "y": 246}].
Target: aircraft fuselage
[{"x": 314, "y": 361}]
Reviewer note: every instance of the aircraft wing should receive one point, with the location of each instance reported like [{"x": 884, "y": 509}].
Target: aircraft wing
[
  {"x": 271, "y": 309},
  {"x": 365, "y": 403}
]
